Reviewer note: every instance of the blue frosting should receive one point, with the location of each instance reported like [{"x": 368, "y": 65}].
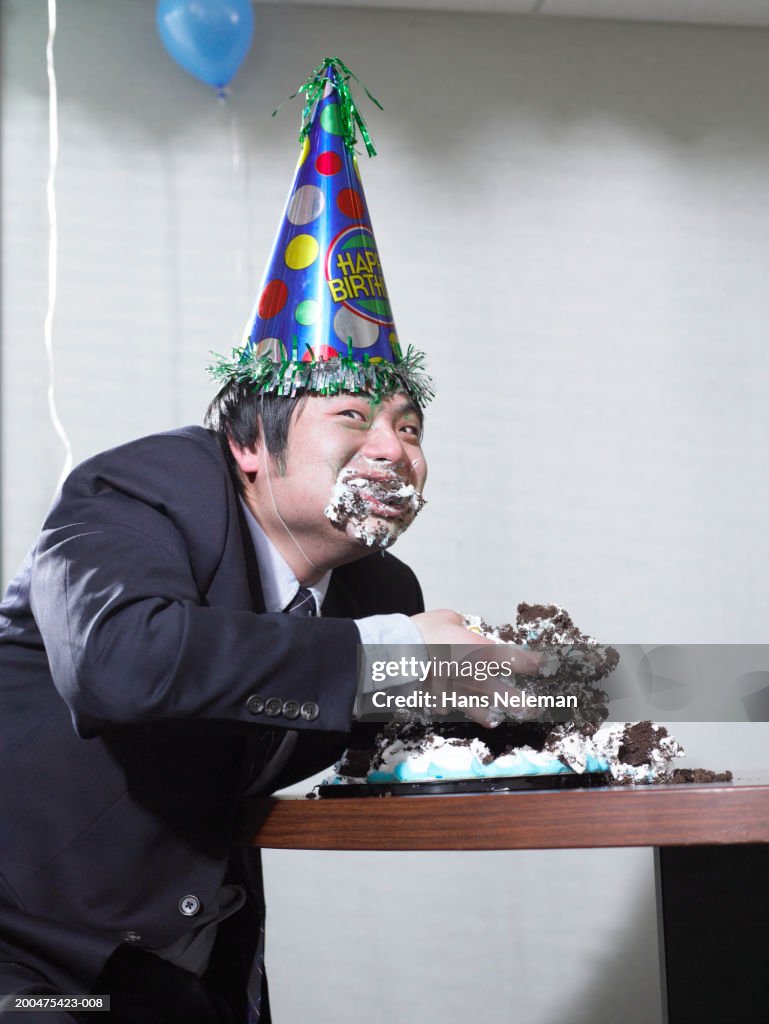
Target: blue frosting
[{"x": 403, "y": 772}]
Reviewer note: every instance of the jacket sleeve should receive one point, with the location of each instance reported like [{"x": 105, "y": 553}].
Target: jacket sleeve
[{"x": 118, "y": 592}]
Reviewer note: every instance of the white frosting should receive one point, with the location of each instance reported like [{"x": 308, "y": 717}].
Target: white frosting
[
  {"x": 608, "y": 740},
  {"x": 438, "y": 757},
  {"x": 348, "y": 506}
]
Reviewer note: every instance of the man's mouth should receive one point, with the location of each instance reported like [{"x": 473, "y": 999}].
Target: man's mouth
[
  {"x": 386, "y": 495},
  {"x": 361, "y": 498}
]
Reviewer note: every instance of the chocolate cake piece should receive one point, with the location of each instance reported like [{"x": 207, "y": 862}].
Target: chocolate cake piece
[
  {"x": 699, "y": 775},
  {"x": 575, "y": 661},
  {"x": 355, "y": 762},
  {"x": 638, "y": 742}
]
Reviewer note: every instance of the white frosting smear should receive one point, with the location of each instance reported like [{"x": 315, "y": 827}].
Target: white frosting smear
[{"x": 375, "y": 504}]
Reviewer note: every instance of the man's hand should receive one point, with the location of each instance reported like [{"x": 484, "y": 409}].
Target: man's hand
[{"x": 447, "y": 627}]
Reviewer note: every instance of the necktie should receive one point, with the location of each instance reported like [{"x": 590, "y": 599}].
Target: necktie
[{"x": 302, "y": 604}]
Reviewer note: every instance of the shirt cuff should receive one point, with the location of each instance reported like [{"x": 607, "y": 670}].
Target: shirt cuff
[
  {"x": 385, "y": 631},
  {"x": 388, "y": 629}
]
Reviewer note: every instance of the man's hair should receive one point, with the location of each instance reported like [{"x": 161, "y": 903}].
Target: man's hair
[{"x": 237, "y": 413}]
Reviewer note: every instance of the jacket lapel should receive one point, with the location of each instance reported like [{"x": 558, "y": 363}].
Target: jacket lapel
[
  {"x": 339, "y": 602},
  {"x": 252, "y": 567}
]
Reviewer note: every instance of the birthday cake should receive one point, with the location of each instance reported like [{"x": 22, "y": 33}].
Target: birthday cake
[
  {"x": 412, "y": 748},
  {"x": 415, "y": 751}
]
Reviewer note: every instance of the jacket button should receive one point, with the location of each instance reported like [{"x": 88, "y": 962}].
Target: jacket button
[
  {"x": 290, "y": 709},
  {"x": 130, "y": 937},
  {"x": 309, "y": 711},
  {"x": 273, "y": 707},
  {"x": 189, "y": 905},
  {"x": 255, "y": 705}
]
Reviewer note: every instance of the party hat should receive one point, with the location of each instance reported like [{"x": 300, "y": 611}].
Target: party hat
[{"x": 322, "y": 320}]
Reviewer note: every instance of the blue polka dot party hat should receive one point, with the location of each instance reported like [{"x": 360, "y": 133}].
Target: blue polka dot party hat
[{"x": 322, "y": 321}]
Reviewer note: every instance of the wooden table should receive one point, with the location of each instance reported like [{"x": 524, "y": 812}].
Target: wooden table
[{"x": 711, "y": 864}]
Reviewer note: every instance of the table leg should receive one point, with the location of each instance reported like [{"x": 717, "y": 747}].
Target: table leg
[{"x": 713, "y": 918}]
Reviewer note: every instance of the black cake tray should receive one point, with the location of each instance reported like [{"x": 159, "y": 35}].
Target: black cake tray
[{"x": 437, "y": 787}]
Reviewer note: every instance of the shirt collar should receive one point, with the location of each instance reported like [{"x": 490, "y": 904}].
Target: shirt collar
[{"x": 279, "y": 585}]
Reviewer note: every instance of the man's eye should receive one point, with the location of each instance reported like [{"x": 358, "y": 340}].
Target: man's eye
[
  {"x": 410, "y": 428},
  {"x": 353, "y": 414}
]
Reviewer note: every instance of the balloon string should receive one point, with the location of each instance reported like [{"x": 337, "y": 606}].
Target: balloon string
[
  {"x": 241, "y": 170},
  {"x": 53, "y": 239}
]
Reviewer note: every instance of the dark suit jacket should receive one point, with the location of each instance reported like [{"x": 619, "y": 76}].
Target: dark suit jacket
[{"x": 130, "y": 644}]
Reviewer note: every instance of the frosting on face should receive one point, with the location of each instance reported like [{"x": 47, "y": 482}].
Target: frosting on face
[{"x": 374, "y": 504}]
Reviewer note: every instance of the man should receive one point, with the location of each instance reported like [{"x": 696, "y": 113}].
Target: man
[
  {"x": 149, "y": 679},
  {"x": 185, "y": 631}
]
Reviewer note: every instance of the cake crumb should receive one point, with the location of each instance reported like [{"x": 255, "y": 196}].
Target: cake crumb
[{"x": 699, "y": 775}]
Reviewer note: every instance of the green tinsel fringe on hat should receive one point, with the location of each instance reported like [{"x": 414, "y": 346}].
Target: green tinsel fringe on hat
[{"x": 344, "y": 374}]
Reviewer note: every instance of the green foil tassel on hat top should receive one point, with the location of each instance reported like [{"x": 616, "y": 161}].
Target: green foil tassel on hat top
[{"x": 322, "y": 320}]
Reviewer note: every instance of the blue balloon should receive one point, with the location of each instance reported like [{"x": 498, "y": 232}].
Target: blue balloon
[{"x": 208, "y": 38}]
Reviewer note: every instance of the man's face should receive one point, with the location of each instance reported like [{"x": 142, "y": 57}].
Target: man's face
[{"x": 351, "y": 479}]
